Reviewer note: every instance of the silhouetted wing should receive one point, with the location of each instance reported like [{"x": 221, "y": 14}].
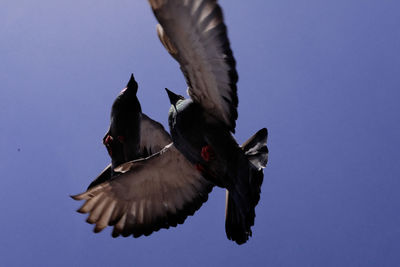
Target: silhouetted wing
[
  {"x": 157, "y": 192},
  {"x": 194, "y": 33},
  {"x": 153, "y": 136}
]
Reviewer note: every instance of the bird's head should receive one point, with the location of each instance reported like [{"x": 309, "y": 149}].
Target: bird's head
[
  {"x": 174, "y": 98},
  {"x": 131, "y": 87}
]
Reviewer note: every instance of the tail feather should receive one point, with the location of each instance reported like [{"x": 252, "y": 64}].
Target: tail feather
[
  {"x": 256, "y": 148},
  {"x": 241, "y": 202},
  {"x": 235, "y": 223}
]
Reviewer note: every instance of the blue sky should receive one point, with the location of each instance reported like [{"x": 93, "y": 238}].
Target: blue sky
[{"x": 322, "y": 76}]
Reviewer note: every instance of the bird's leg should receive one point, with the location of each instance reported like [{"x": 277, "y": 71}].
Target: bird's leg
[{"x": 207, "y": 153}]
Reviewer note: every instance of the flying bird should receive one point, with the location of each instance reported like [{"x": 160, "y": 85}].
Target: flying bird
[
  {"x": 132, "y": 134},
  {"x": 161, "y": 190},
  {"x": 163, "y": 194}
]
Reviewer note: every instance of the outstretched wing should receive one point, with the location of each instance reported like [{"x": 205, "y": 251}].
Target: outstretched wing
[
  {"x": 194, "y": 33},
  {"x": 157, "y": 192},
  {"x": 153, "y": 138}
]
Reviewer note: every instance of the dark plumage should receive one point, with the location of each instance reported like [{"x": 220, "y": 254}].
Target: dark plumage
[
  {"x": 149, "y": 185},
  {"x": 194, "y": 33},
  {"x": 161, "y": 190},
  {"x": 132, "y": 134},
  {"x": 229, "y": 166},
  {"x": 122, "y": 139}
]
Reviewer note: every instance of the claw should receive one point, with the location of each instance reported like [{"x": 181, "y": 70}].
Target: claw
[{"x": 207, "y": 153}]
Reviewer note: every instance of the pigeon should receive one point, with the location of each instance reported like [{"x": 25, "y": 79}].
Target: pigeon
[
  {"x": 144, "y": 199},
  {"x": 163, "y": 189},
  {"x": 210, "y": 146},
  {"x": 132, "y": 134},
  {"x": 194, "y": 33}
]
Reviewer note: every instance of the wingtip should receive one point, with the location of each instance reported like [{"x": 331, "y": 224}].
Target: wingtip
[
  {"x": 97, "y": 229},
  {"x": 80, "y": 210},
  {"x": 263, "y": 131},
  {"x": 76, "y": 197},
  {"x": 80, "y": 196},
  {"x": 115, "y": 233}
]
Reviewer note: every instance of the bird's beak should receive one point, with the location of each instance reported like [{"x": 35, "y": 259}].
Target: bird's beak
[
  {"x": 132, "y": 84},
  {"x": 173, "y": 98}
]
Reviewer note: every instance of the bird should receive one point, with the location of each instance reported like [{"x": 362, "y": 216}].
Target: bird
[
  {"x": 131, "y": 134},
  {"x": 209, "y": 145},
  {"x": 162, "y": 189}
]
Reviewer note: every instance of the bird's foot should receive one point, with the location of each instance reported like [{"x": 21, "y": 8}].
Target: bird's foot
[{"x": 207, "y": 153}]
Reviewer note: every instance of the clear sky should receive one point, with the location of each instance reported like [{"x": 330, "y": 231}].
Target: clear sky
[{"x": 322, "y": 76}]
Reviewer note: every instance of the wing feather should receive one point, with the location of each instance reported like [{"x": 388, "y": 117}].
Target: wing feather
[
  {"x": 194, "y": 33},
  {"x": 156, "y": 192}
]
